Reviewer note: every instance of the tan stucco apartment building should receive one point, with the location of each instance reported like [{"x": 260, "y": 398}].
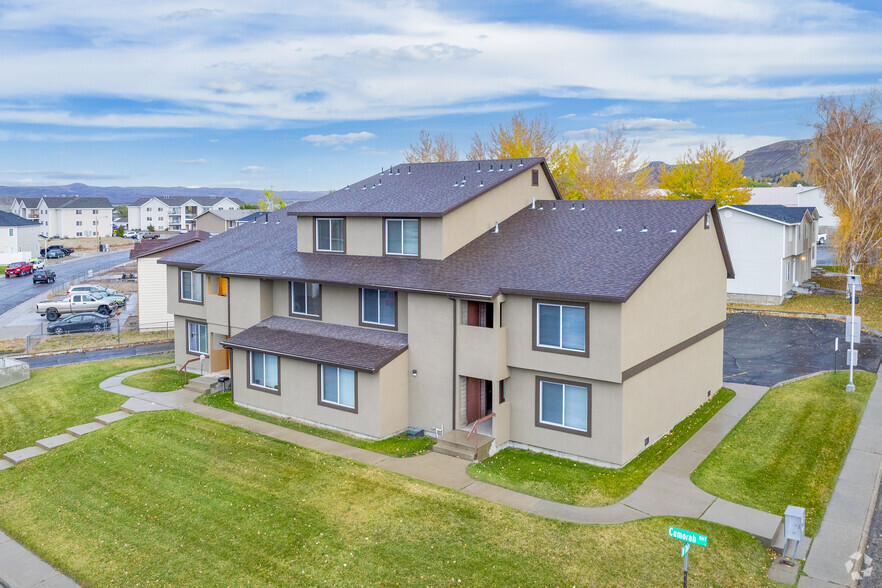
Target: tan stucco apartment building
[{"x": 432, "y": 295}]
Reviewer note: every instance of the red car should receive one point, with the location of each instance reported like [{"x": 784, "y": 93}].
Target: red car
[{"x": 19, "y": 268}]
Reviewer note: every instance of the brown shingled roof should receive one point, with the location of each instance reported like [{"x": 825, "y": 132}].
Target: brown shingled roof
[
  {"x": 357, "y": 348},
  {"x": 157, "y": 245}
]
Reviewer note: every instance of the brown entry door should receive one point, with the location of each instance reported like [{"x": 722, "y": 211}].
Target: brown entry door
[{"x": 474, "y": 396}]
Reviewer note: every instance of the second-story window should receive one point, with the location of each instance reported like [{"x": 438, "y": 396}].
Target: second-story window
[
  {"x": 306, "y": 299},
  {"x": 191, "y": 286},
  {"x": 378, "y": 307},
  {"x": 330, "y": 234},
  {"x": 402, "y": 236},
  {"x": 561, "y": 327}
]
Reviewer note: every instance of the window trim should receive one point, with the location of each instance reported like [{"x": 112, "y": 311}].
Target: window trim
[
  {"x": 206, "y": 353},
  {"x": 543, "y": 425},
  {"x": 250, "y": 382},
  {"x": 545, "y": 348},
  {"x": 181, "y": 287},
  {"x": 418, "y": 254},
  {"x": 334, "y": 405},
  {"x": 315, "y": 244},
  {"x": 361, "y": 321},
  {"x": 316, "y": 317}
]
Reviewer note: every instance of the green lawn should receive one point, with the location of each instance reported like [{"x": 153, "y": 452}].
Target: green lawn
[
  {"x": 56, "y": 398},
  {"x": 177, "y": 499},
  {"x": 398, "y": 446},
  {"x": 790, "y": 447},
  {"x": 572, "y": 482},
  {"x": 161, "y": 380}
]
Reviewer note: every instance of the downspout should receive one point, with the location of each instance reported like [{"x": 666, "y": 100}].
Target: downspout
[
  {"x": 455, "y": 383},
  {"x": 229, "y": 334}
]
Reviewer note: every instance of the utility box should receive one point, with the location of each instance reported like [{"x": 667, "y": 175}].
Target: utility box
[
  {"x": 794, "y": 522},
  {"x": 853, "y": 281}
]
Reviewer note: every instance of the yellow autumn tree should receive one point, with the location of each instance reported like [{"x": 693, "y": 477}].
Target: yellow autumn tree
[
  {"x": 609, "y": 168},
  {"x": 846, "y": 160},
  {"x": 709, "y": 173},
  {"x": 790, "y": 179},
  {"x": 270, "y": 201}
]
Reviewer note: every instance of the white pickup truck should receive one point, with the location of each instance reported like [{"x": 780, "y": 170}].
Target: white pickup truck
[{"x": 53, "y": 309}]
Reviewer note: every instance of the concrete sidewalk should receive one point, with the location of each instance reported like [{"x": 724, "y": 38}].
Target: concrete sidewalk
[
  {"x": 836, "y": 556},
  {"x": 19, "y": 568}
]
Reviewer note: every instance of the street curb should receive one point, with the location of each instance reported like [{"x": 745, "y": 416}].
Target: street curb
[{"x": 90, "y": 349}]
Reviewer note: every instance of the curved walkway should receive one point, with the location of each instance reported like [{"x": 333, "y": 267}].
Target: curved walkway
[{"x": 666, "y": 492}]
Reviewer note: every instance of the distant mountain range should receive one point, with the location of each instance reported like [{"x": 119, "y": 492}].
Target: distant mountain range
[
  {"x": 122, "y": 195},
  {"x": 769, "y": 161}
]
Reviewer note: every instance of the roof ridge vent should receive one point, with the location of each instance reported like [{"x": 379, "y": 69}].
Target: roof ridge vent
[{"x": 644, "y": 229}]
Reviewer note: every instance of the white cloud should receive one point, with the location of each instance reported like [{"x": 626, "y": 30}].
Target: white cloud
[
  {"x": 192, "y": 13},
  {"x": 346, "y": 139},
  {"x": 199, "y": 161},
  {"x": 653, "y": 124},
  {"x": 256, "y": 169},
  {"x": 612, "y": 110},
  {"x": 570, "y": 115}
]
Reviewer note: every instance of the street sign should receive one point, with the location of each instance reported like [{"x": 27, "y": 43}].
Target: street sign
[
  {"x": 685, "y": 549},
  {"x": 836, "y": 345},
  {"x": 853, "y": 281},
  {"x": 852, "y": 358},
  {"x": 688, "y": 536},
  {"x": 857, "y": 329}
]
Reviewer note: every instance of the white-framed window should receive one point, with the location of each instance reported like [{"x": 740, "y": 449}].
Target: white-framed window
[
  {"x": 79, "y": 223},
  {"x": 79, "y": 212},
  {"x": 378, "y": 307},
  {"x": 264, "y": 370},
  {"x": 306, "y": 299},
  {"x": 149, "y": 218},
  {"x": 197, "y": 338},
  {"x": 191, "y": 286},
  {"x": 561, "y": 326},
  {"x": 330, "y": 234},
  {"x": 160, "y": 209},
  {"x": 564, "y": 405},
  {"x": 149, "y": 209},
  {"x": 11, "y": 232},
  {"x": 79, "y": 234},
  {"x": 338, "y": 386},
  {"x": 787, "y": 271},
  {"x": 402, "y": 236},
  {"x": 94, "y": 211}
]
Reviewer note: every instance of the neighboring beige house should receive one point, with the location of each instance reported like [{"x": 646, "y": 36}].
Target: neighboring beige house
[
  {"x": 435, "y": 295},
  {"x": 153, "y": 312},
  {"x": 28, "y": 208},
  {"x": 773, "y": 250},
  {"x": 218, "y": 221},
  {"x": 175, "y": 213},
  {"x": 19, "y": 238},
  {"x": 72, "y": 216}
]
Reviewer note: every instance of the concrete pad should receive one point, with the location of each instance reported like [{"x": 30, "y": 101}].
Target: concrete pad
[
  {"x": 80, "y": 430},
  {"x": 761, "y": 525},
  {"x": 781, "y": 572},
  {"x": 20, "y": 567},
  {"x": 807, "y": 582},
  {"x": 849, "y": 505},
  {"x": 869, "y": 438},
  {"x": 136, "y": 405},
  {"x": 664, "y": 494},
  {"x": 832, "y": 549},
  {"x": 432, "y": 467},
  {"x": 106, "y": 419},
  {"x": 857, "y": 464},
  {"x": 4, "y": 464},
  {"x": 56, "y": 441},
  {"x": 501, "y": 495},
  {"x": 599, "y": 515},
  {"x": 23, "y": 454}
]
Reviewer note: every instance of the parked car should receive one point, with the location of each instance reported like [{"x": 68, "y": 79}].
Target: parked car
[
  {"x": 96, "y": 290},
  {"x": 131, "y": 234},
  {"x": 55, "y": 254},
  {"x": 64, "y": 250},
  {"x": 149, "y": 236},
  {"x": 38, "y": 263},
  {"x": 82, "y": 322},
  {"x": 53, "y": 309},
  {"x": 44, "y": 276},
  {"x": 19, "y": 268},
  {"x": 822, "y": 238}
]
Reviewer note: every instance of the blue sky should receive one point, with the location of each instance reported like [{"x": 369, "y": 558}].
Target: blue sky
[{"x": 312, "y": 96}]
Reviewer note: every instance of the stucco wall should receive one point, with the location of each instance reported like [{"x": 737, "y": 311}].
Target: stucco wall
[
  {"x": 430, "y": 352},
  {"x": 211, "y": 222}
]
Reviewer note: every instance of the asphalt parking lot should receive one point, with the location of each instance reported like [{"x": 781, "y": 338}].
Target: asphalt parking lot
[{"x": 767, "y": 349}]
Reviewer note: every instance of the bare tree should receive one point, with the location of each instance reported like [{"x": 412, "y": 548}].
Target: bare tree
[
  {"x": 847, "y": 162},
  {"x": 610, "y": 168},
  {"x": 430, "y": 148}
]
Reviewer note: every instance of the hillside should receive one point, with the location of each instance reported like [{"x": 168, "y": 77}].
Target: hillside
[
  {"x": 776, "y": 159},
  {"x": 125, "y": 195}
]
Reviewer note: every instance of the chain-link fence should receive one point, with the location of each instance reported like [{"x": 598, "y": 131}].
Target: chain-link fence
[{"x": 65, "y": 335}]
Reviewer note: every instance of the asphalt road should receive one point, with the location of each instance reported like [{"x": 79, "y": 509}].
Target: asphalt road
[
  {"x": 765, "y": 349},
  {"x": 14, "y": 291},
  {"x": 68, "y": 358}
]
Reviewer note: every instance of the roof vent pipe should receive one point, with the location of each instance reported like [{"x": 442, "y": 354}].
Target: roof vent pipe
[
  {"x": 408, "y": 169},
  {"x": 644, "y": 229},
  {"x": 479, "y": 167},
  {"x": 553, "y": 206},
  {"x": 673, "y": 230},
  {"x": 482, "y": 183},
  {"x": 533, "y": 206},
  {"x": 496, "y": 228},
  {"x": 619, "y": 230},
  {"x": 521, "y": 164},
  {"x": 583, "y": 206},
  {"x": 266, "y": 219},
  {"x": 491, "y": 167},
  {"x": 573, "y": 207}
]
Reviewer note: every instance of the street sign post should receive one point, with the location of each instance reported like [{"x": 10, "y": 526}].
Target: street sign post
[
  {"x": 853, "y": 282},
  {"x": 688, "y": 538}
]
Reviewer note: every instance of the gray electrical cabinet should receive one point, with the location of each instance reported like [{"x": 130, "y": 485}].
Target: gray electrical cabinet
[{"x": 794, "y": 522}]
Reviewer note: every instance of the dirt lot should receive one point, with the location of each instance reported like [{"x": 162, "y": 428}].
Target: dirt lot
[{"x": 91, "y": 243}]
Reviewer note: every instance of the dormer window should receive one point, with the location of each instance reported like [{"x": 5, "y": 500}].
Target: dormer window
[
  {"x": 402, "y": 236},
  {"x": 330, "y": 235}
]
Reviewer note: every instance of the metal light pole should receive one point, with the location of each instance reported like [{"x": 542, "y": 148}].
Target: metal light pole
[{"x": 850, "y": 386}]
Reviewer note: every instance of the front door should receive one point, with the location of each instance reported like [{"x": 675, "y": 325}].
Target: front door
[
  {"x": 474, "y": 396},
  {"x": 220, "y": 356}
]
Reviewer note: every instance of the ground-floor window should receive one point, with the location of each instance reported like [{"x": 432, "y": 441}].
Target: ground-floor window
[
  {"x": 264, "y": 370},
  {"x": 566, "y": 405},
  {"x": 338, "y": 387},
  {"x": 197, "y": 338}
]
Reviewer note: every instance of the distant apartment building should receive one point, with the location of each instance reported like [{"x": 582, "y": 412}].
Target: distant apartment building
[
  {"x": 218, "y": 221},
  {"x": 18, "y": 238},
  {"x": 799, "y": 196},
  {"x": 27, "y": 208},
  {"x": 67, "y": 216},
  {"x": 174, "y": 213}
]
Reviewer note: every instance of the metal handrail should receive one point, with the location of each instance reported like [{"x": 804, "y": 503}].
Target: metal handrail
[
  {"x": 183, "y": 368},
  {"x": 475, "y": 429}
]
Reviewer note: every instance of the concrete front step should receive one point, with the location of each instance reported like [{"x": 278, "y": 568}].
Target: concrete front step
[
  {"x": 202, "y": 384},
  {"x": 778, "y": 544},
  {"x": 80, "y": 430},
  {"x": 23, "y": 454},
  {"x": 457, "y": 444},
  {"x": 106, "y": 419},
  {"x": 56, "y": 441}
]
